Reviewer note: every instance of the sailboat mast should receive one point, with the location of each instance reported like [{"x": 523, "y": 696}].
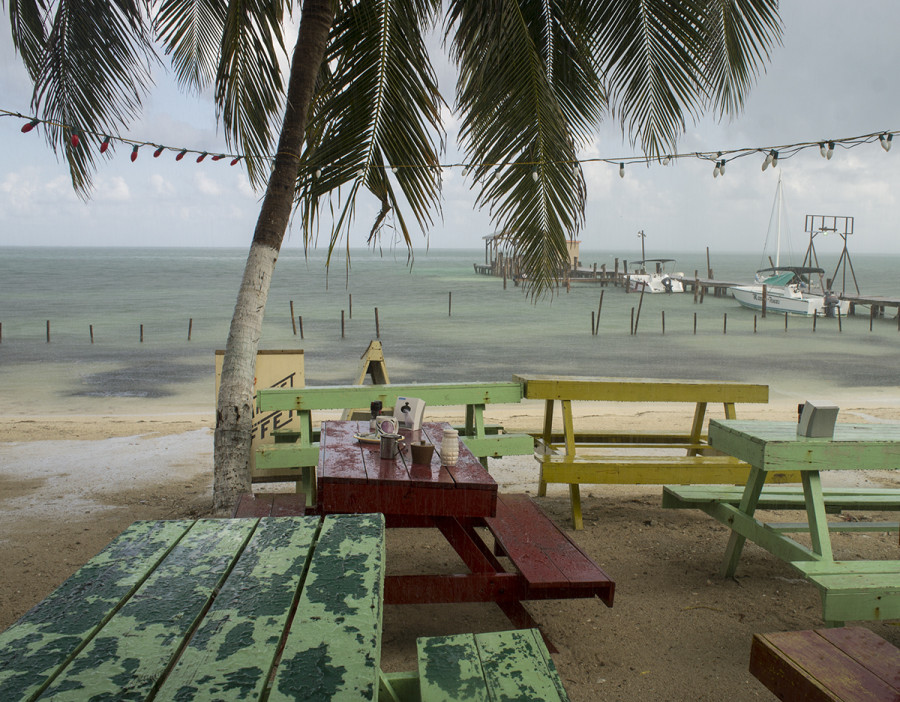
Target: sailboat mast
[{"x": 778, "y": 224}]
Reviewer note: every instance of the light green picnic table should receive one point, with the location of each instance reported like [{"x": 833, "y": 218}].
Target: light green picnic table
[{"x": 851, "y": 590}]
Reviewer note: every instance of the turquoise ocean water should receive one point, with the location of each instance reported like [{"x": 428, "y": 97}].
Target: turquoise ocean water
[{"x": 489, "y": 334}]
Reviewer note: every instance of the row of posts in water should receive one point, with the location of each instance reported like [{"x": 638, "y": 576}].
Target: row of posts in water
[{"x": 297, "y": 322}]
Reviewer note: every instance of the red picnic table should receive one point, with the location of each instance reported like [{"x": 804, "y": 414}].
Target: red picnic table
[{"x": 353, "y": 478}]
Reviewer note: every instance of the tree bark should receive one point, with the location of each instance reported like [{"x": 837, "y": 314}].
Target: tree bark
[{"x": 234, "y": 409}]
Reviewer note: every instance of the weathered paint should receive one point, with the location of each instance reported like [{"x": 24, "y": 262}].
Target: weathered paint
[
  {"x": 231, "y": 654},
  {"x": 127, "y": 658},
  {"x": 33, "y": 649},
  {"x": 449, "y": 669},
  {"x": 333, "y": 649}
]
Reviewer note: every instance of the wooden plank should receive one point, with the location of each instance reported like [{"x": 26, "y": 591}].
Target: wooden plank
[
  {"x": 638, "y": 389},
  {"x": 119, "y": 665},
  {"x": 450, "y": 669},
  {"x": 351, "y": 497},
  {"x": 273, "y": 456},
  {"x": 544, "y": 555},
  {"x": 341, "y": 456},
  {"x": 499, "y": 445},
  {"x": 37, "y": 646},
  {"x": 333, "y": 649},
  {"x": 251, "y": 505},
  {"x": 343, "y": 396},
  {"x": 784, "y": 497},
  {"x": 231, "y": 654},
  {"x": 870, "y": 650},
  {"x": 807, "y": 665},
  {"x": 516, "y": 668}
]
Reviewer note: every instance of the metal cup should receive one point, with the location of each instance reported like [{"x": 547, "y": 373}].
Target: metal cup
[{"x": 389, "y": 445}]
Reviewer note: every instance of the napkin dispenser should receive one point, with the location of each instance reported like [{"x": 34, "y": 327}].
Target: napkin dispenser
[{"x": 817, "y": 421}]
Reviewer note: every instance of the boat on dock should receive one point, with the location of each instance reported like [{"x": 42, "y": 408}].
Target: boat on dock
[
  {"x": 787, "y": 289},
  {"x": 657, "y": 280}
]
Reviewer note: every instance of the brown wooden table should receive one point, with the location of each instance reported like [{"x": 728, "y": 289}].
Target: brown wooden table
[{"x": 352, "y": 477}]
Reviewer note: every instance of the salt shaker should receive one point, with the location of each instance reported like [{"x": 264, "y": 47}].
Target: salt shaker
[{"x": 450, "y": 447}]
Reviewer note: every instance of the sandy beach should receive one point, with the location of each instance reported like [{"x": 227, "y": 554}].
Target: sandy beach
[{"x": 677, "y": 631}]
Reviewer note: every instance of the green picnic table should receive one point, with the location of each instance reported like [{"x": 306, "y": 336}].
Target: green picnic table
[
  {"x": 851, "y": 590},
  {"x": 278, "y": 608}
]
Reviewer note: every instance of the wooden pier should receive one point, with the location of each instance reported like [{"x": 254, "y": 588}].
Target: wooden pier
[{"x": 877, "y": 304}]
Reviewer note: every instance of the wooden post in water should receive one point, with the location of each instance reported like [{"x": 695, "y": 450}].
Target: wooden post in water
[
  {"x": 293, "y": 324},
  {"x": 48, "y": 331},
  {"x": 696, "y": 286},
  {"x": 840, "y": 329},
  {"x": 815, "y": 318},
  {"x": 377, "y": 328},
  {"x": 142, "y": 333},
  {"x": 871, "y": 316},
  {"x": 616, "y": 273},
  {"x": 725, "y": 323},
  {"x": 708, "y": 267},
  {"x": 637, "y": 320},
  {"x": 593, "y": 319},
  {"x": 600, "y": 309},
  {"x": 754, "y": 324},
  {"x": 300, "y": 319},
  {"x": 785, "y": 321},
  {"x": 342, "y": 324},
  {"x": 1, "y": 330},
  {"x": 632, "y": 322},
  {"x": 764, "y": 302},
  {"x": 350, "y": 305},
  {"x": 663, "y": 322},
  {"x": 450, "y": 304},
  {"x": 190, "y": 329},
  {"x": 91, "y": 328},
  {"x": 695, "y": 323}
]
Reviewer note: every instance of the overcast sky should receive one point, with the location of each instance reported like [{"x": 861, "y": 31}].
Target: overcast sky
[{"x": 834, "y": 77}]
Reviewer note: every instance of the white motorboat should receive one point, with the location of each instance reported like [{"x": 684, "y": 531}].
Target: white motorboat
[
  {"x": 657, "y": 280},
  {"x": 786, "y": 289}
]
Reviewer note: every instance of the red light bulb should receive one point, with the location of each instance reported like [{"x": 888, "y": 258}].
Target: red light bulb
[
  {"x": 134, "y": 153},
  {"x": 31, "y": 125},
  {"x": 104, "y": 146},
  {"x": 158, "y": 152}
]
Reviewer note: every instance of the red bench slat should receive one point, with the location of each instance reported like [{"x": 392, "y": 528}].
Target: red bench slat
[
  {"x": 270, "y": 504},
  {"x": 543, "y": 554},
  {"x": 827, "y": 665}
]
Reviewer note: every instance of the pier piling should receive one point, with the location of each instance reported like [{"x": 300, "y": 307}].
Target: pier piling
[
  {"x": 300, "y": 320},
  {"x": 377, "y": 328},
  {"x": 190, "y": 329},
  {"x": 293, "y": 324},
  {"x": 48, "y": 331},
  {"x": 342, "y": 324}
]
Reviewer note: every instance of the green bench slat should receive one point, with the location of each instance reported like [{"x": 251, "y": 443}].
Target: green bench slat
[
  {"x": 270, "y": 456},
  {"x": 507, "y": 665},
  {"x": 168, "y": 603},
  {"x": 498, "y": 445},
  {"x": 783, "y": 497},
  {"x": 100, "y": 587},
  {"x": 855, "y": 590},
  {"x": 231, "y": 654},
  {"x": 346, "y": 578}
]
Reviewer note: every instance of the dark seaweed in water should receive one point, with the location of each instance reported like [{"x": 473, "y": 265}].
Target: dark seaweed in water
[{"x": 154, "y": 379}]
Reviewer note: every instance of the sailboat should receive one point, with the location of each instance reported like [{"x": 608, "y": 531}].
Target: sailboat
[{"x": 788, "y": 288}]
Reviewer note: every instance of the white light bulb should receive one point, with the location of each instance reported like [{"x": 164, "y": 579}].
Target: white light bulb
[
  {"x": 666, "y": 160},
  {"x": 716, "y": 170},
  {"x": 318, "y": 173},
  {"x": 361, "y": 173},
  {"x": 774, "y": 159},
  {"x": 722, "y": 167},
  {"x": 830, "y": 152},
  {"x": 394, "y": 169},
  {"x": 822, "y": 150},
  {"x": 621, "y": 170},
  {"x": 886, "y": 141},
  {"x": 535, "y": 176}
]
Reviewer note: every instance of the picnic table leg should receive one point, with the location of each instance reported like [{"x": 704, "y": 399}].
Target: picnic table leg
[
  {"x": 574, "y": 488},
  {"x": 697, "y": 427},
  {"x": 815, "y": 514},
  {"x": 475, "y": 426},
  {"x": 548, "y": 438},
  {"x": 749, "y": 500},
  {"x": 730, "y": 412}
]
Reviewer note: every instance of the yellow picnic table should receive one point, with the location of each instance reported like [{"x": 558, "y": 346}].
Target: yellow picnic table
[{"x": 634, "y": 457}]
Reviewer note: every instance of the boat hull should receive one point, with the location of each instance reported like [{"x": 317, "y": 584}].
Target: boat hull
[
  {"x": 655, "y": 283},
  {"x": 751, "y": 296}
]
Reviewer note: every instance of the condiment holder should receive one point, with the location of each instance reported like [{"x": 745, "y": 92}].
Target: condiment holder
[{"x": 421, "y": 452}]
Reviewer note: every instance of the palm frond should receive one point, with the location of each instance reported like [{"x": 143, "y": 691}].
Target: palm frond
[
  {"x": 528, "y": 91},
  {"x": 28, "y": 32},
  {"x": 666, "y": 62},
  {"x": 249, "y": 85},
  {"x": 375, "y": 119},
  {"x": 191, "y": 32},
  {"x": 740, "y": 35},
  {"x": 93, "y": 72}
]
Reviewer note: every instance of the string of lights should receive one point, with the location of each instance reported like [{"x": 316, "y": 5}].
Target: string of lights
[{"x": 771, "y": 155}]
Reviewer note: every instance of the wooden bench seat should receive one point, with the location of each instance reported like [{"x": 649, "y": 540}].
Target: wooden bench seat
[
  {"x": 504, "y": 665},
  {"x": 850, "y": 664},
  {"x": 270, "y": 504},
  {"x": 644, "y": 470},
  {"x": 775, "y": 497},
  {"x": 855, "y": 590},
  {"x": 552, "y": 565}
]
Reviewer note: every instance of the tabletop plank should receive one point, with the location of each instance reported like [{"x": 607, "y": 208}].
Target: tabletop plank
[
  {"x": 573, "y": 387},
  {"x": 468, "y": 469},
  {"x": 44, "y": 639},
  {"x": 333, "y": 649},
  {"x": 122, "y": 666},
  {"x": 231, "y": 654}
]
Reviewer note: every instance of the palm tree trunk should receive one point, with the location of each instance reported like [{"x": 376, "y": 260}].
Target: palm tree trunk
[{"x": 234, "y": 409}]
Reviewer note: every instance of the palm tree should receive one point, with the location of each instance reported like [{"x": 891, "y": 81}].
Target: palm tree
[{"x": 361, "y": 112}]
